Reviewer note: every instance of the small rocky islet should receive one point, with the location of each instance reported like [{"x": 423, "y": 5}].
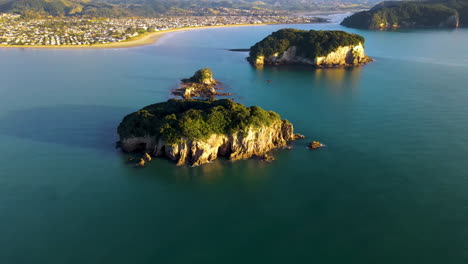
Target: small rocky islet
[{"x": 200, "y": 85}]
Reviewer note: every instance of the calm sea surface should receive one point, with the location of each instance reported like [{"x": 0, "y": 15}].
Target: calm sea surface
[{"x": 391, "y": 186}]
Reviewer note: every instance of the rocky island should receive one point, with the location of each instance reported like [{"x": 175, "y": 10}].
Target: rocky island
[
  {"x": 409, "y": 14},
  {"x": 201, "y": 84},
  {"x": 322, "y": 49},
  {"x": 195, "y": 132}
]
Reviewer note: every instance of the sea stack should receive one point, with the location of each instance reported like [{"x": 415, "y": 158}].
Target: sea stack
[
  {"x": 200, "y": 85},
  {"x": 195, "y": 132},
  {"x": 321, "y": 49}
]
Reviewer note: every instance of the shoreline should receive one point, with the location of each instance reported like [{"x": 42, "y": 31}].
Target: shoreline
[{"x": 141, "y": 40}]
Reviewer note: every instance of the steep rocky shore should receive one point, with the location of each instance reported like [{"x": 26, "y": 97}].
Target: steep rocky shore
[
  {"x": 343, "y": 56},
  {"x": 255, "y": 142},
  {"x": 321, "y": 49},
  {"x": 195, "y": 132}
]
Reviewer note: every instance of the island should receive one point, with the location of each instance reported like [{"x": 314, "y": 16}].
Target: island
[
  {"x": 407, "y": 14},
  {"x": 321, "y": 49},
  {"x": 195, "y": 132},
  {"x": 201, "y": 85}
]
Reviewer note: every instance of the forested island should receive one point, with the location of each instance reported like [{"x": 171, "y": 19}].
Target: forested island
[
  {"x": 408, "y": 14},
  {"x": 195, "y": 132},
  {"x": 318, "y": 48}
]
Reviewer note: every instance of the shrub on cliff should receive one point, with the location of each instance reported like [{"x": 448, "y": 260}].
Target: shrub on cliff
[
  {"x": 310, "y": 44},
  {"x": 193, "y": 119}
]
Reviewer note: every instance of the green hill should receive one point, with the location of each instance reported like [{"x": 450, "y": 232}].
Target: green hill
[
  {"x": 151, "y": 8},
  {"x": 36, "y": 8},
  {"x": 406, "y": 14}
]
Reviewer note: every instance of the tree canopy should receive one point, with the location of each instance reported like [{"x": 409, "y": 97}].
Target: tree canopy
[
  {"x": 310, "y": 44},
  {"x": 175, "y": 120}
]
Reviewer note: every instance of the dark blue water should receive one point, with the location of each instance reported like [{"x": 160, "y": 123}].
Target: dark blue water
[{"x": 391, "y": 187}]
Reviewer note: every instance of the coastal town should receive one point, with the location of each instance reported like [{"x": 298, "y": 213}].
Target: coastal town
[{"x": 16, "y": 31}]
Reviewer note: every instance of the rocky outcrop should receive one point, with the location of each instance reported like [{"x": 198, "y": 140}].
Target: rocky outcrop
[
  {"x": 253, "y": 142},
  {"x": 200, "y": 85},
  {"x": 202, "y": 76},
  {"x": 315, "y": 145},
  {"x": 451, "y": 22},
  {"x": 321, "y": 49},
  {"x": 343, "y": 56}
]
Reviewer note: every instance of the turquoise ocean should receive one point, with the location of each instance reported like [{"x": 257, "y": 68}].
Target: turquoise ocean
[{"x": 390, "y": 187}]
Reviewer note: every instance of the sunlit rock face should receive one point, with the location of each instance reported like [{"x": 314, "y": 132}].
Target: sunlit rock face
[
  {"x": 254, "y": 142},
  {"x": 341, "y": 57},
  {"x": 321, "y": 49}
]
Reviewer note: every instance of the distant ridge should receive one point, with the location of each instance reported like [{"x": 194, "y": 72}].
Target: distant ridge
[
  {"x": 35, "y": 8},
  {"x": 151, "y": 8},
  {"x": 411, "y": 14}
]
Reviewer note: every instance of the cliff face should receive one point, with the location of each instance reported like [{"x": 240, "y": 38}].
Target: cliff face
[
  {"x": 241, "y": 145},
  {"x": 451, "y": 22},
  {"x": 341, "y": 57},
  {"x": 319, "y": 48}
]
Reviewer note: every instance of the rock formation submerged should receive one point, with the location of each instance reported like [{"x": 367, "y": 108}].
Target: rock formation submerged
[
  {"x": 322, "y": 49},
  {"x": 408, "y": 14},
  {"x": 201, "y": 85},
  {"x": 195, "y": 132}
]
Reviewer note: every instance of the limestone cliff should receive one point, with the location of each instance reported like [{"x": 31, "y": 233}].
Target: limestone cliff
[
  {"x": 341, "y": 57},
  {"x": 195, "y": 132},
  {"x": 255, "y": 142},
  {"x": 317, "y": 48}
]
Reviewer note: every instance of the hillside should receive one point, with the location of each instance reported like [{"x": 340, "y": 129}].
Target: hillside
[
  {"x": 148, "y": 8},
  {"x": 35, "y": 8},
  {"x": 406, "y": 14}
]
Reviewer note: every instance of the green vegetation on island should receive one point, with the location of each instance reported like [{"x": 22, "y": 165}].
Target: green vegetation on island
[
  {"x": 309, "y": 44},
  {"x": 202, "y": 76},
  {"x": 177, "y": 120},
  {"x": 200, "y": 85},
  {"x": 406, "y": 14}
]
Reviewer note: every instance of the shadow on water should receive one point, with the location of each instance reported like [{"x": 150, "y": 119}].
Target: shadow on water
[{"x": 86, "y": 126}]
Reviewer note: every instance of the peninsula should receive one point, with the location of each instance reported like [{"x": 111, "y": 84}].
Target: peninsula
[
  {"x": 408, "y": 14},
  {"x": 195, "y": 132},
  {"x": 321, "y": 49}
]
